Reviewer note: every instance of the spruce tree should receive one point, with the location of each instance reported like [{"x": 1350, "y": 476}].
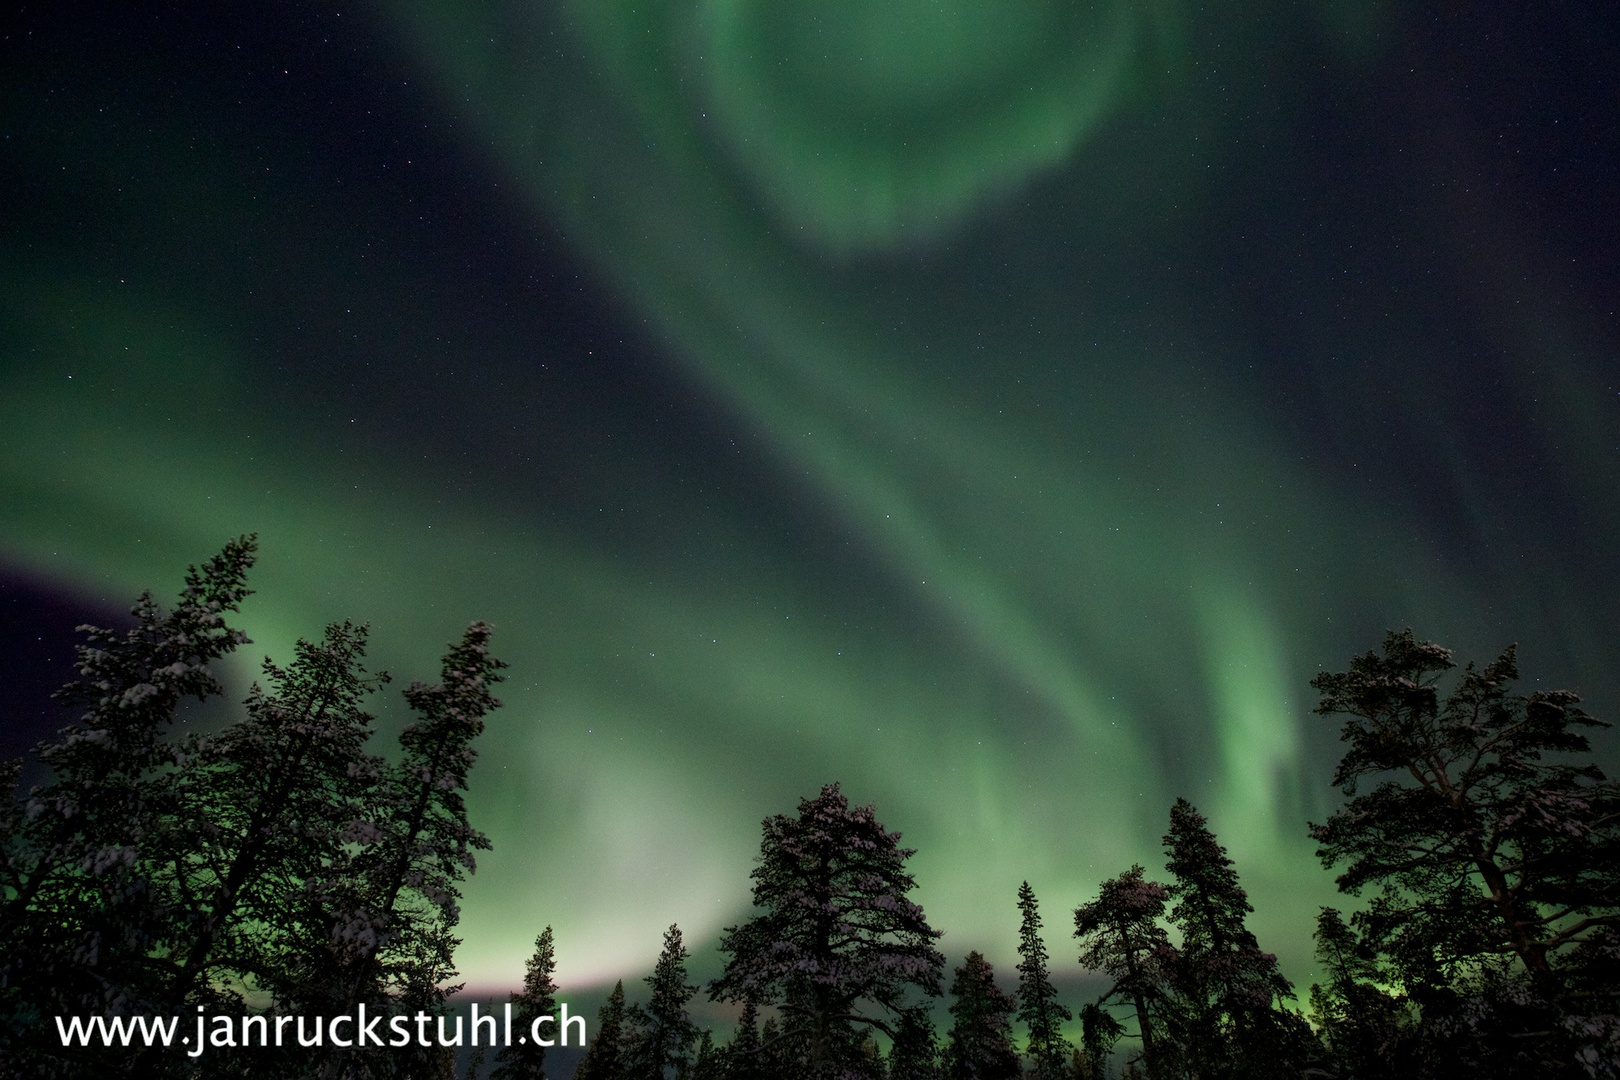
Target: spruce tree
[
  {"x": 527, "y": 1060},
  {"x": 837, "y": 946},
  {"x": 914, "y": 1054},
  {"x": 742, "y": 1055},
  {"x": 779, "y": 1059},
  {"x": 397, "y": 901},
  {"x": 980, "y": 1045},
  {"x": 605, "y": 1057},
  {"x": 1120, "y": 935},
  {"x": 80, "y": 913},
  {"x": 1366, "y": 1029},
  {"x": 261, "y": 807},
  {"x": 708, "y": 1060},
  {"x": 1227, "y": 1016},
  {"x": 1038, "y": 1006},
  {"x": 664, "y": 1043}
]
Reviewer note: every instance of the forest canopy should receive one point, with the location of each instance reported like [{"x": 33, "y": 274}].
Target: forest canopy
[{"x": 274, "y": 865}]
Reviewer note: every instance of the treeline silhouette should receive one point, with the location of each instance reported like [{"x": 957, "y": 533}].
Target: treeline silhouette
[
  {"x": 275, "y": 862},
  {"x": 278, "y": 865}
]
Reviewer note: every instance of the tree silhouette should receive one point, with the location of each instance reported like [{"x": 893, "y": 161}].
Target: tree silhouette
[
  {"x": 914, "y": 1054},
  {"x": 272, "y": 856},
  {"x": 1496, "y": 856},
  {"x": 980, "y": 1046},
  {"x": 777, "y": 1057},
  {"x": 398, "y": 903},
  {"x": 1226, "y": 1013},
  {"x": 527, "y": 1060},
  {"x": 666, "y": 1033},
  {"x": 260, "y": 808},
  {"x": 1120, "y": 935},
  {"x": 1099, "y": 1032},
  {"x": 275, "y": 856},
  {"x": 1038, "y": 1007},
  {"x": 837, "y": 938},
  {"x": 605, "y": 1057},
  {"x": 708, "y": 1060},
  {"x": 1366, "y": 1029},
  {"x": 79, "y": 913},
  {"x": 742, "y": 1056},
  {"x": 392, "y": 903}
]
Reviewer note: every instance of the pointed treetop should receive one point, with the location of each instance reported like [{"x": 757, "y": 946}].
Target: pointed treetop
[
  {"x": 1210, "y": 903},
  {"x": 980, "y": 1043},
  {"x": 1038, "y": 1006}
]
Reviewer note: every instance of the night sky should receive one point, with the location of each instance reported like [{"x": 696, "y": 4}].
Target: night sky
[{"x": 1002, "y": 409}]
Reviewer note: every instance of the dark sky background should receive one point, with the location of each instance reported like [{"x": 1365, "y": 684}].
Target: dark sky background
[{"x": 1003, "y": 414}]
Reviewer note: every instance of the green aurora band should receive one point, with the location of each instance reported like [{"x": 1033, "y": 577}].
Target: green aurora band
[{"x": 1084, "y": 571}]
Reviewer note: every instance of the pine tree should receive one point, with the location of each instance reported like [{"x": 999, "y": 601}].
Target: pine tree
[
  {"x": 605, "y": 1057},
  {"x": 1494, "y": 843},
  {"x": 79, "y": 914},
  {"x": 1366, "y": 1029},
  {"x": 391, "y": 902},
  {"x": 397, "y": 902},
  {"x": 154, "y": 873},
  {"x": 1227, "y": 1015},
  {"x": 1099, "y": 1032},
  {"x": 1120, "y": 935},
  {"x": 667, "y": 1033},
  {"x": 837, "y": 946},
  {"x": 1038, "y": 1006},
  {"x": 527, "y": 1060},
  {"x": 980, "y": 1045},
  {"x": 260, "y": 808}
]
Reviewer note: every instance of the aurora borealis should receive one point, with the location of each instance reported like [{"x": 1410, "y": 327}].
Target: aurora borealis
[{"x": 1002, "y": 411}]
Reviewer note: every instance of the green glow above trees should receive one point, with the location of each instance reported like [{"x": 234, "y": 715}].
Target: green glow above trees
[{"x": 1054, "y": 561}]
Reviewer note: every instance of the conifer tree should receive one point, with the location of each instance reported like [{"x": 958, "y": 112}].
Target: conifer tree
[
  {"x": 260, "y": 808},
  {"x": 1366, "y": 1029},
  {"x": 397, "y": 903},
  {"x": 605, "y": 1057},
  {"x": 154, "y": 873},
  {"x": 664, "y": 1044},
  {"x": 1471, "y": 808},
  {"x": 391, "y": 902},
  {"x": 778, "y": 1059},
  {"x": 1099, "y": 1032},
  {"x": 837, "y": 946},
  {"x": 743, "y": 1057},
  {"x": 868, "y": 1061},
  {"x": 1494, "y": 843},
  {"x": 1227, "y": 1015},
  {"x": 708, "y": 1060},
  {"x": 1038, "y": 1007},
  {"x": 79, "y": 913},
  {"x": 527, "y": 1060},
  {"x": 980, "y": 1045},
  {"x": 914, "y": 1054},
  {"x": 1120, "y": 935}
]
